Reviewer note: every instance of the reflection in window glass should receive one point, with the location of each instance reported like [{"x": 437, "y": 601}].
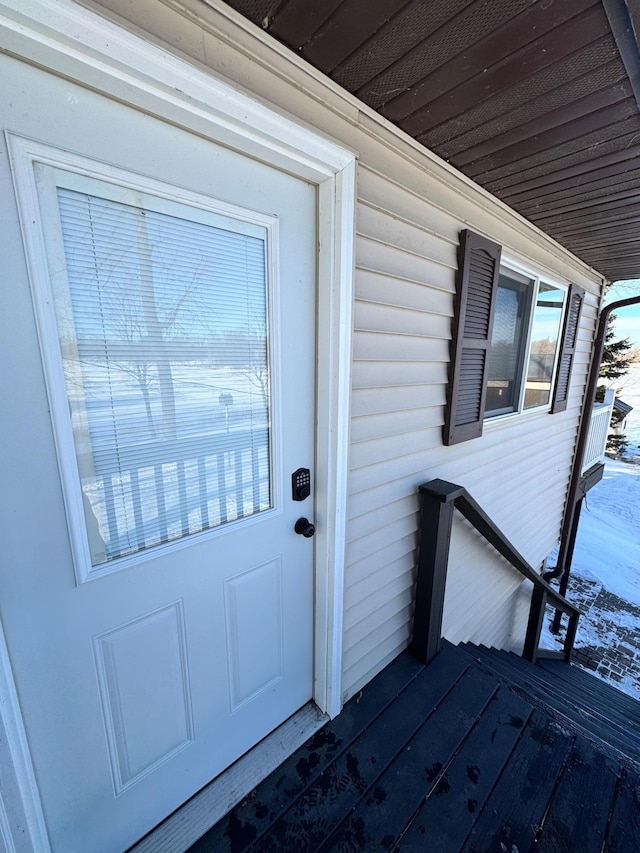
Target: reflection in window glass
[
  {"x": 508, "y": 344},
  {"x": 544, "y": 341},
  {"x": 163, "y": 334}
]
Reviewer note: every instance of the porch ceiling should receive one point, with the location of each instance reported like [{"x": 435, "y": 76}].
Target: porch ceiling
[{"x": 538, "y": 101}]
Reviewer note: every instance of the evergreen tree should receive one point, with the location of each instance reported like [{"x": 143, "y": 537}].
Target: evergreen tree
[{"x": 617, "y": 357}]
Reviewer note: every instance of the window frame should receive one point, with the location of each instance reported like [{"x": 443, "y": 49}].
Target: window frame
[
  {"x": 509, "y": 264},
  {"x": 42, "y": 171},
  {"x": 474, "y": 308}
]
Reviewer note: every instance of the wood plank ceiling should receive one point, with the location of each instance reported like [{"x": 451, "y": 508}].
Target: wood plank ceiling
[{"x": 538, "y": 101}]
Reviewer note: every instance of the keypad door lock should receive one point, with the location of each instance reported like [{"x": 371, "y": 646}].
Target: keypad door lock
[{"x": 301, "y": 484}]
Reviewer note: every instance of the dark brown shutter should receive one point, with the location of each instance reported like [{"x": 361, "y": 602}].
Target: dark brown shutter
[
  {"x": 567, "y": 348},
  {"x": 476, "y": 288}
]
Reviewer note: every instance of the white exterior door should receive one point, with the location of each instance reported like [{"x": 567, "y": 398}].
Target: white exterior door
[{"x": 156, "y": 601}]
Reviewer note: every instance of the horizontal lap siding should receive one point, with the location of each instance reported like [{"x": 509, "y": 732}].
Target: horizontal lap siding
[
  {"x": 410, "y": 211},
  {"x": 402, "y": 319},
  {"x": 396, "y": 553},
  {"x": 484, "y": 594},
  {"x": 518, "y": 470}
]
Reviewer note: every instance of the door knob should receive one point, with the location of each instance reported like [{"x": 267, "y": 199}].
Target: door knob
[{"x": 305, "y": 528}]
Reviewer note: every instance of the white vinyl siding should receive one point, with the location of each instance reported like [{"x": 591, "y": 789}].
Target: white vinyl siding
[
  {"x": 411, "y": 208},
  {"x": 518, "y": 470}
]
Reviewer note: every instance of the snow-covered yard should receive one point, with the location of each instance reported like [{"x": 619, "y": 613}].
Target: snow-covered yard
[
  {"x": 608, "y": 543},
  {"x": 605, "y": 574},
  {"x": 605, "y": 578}
]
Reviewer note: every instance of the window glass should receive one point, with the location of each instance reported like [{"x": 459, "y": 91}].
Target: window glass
[
  {"x": 163, "y": 331},
  {"x": 508, "y": 343},
  {"x": 545, "y": 332}
]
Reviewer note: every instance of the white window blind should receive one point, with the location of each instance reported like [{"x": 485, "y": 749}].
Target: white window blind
[{"x": 164, "y": 340}]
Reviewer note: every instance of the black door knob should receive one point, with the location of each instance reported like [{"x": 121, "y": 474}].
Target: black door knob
[{"x": 305, "y": 528}]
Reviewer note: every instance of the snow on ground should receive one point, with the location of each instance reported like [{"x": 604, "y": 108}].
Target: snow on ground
[
  {"x": 605, "y": 579},
  {"x": 605, "y": 573},
  {"x": 608, "y": 542}
]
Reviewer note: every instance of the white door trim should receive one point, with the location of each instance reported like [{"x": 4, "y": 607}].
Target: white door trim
[
  {"x": 22, "y": 826},
  {"x": 75, "y": 43}
]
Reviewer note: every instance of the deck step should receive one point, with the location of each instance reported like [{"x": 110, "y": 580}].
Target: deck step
[
  {"x": 597, "y": 712},
  {"x": 584, "y": 689},
  {"x": 595, "y": 709},
  {"x": 628, "y": 706},
  {"x": 591, "y": 686}
]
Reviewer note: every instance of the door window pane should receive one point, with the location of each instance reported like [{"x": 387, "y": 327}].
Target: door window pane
[{"x": 164, "y": 340}]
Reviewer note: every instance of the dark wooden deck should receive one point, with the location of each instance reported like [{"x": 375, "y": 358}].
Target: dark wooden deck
[{"x": 465, "y": 754}]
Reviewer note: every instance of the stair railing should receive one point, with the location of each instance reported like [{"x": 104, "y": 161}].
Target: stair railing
[{"x": 440, "y": 499}]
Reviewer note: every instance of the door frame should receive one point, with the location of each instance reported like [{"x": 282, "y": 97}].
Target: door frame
[{"x": 73, "y": 42}]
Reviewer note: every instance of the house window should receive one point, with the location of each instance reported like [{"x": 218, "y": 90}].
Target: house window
[
  {"x": 524, "y": 344},
  {"x": 513, "y": 341}
]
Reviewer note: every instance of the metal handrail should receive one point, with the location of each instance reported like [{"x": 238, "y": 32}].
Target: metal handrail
[{"x": 440, "y": 499}]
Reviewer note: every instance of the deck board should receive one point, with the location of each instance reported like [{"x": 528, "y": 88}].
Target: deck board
[
  {"x": 316, "y": 814},
  {"x": 623, "y": 834},
  {"x": 420, "y": 767},
  {"x": 579, "y": 811},
  {"x": 449, "y": 812},
  {"x": 517, "y": 804},
  {"x": 454, "y": 757}
]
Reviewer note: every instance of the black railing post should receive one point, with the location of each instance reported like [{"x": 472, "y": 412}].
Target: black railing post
[
  {"x": 534, "y": 626},
  {"x": 440, "y": 498},
  {"x": 438, "y": 505},
  {"x": 564, "y": 579},
  {"x": 570, "y": 637}
]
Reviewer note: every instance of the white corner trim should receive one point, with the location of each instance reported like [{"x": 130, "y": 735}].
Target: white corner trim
[
  {"x": 28, "y": 828},
  {"x": 71, "y": 41},
  {"x": 5, "y": 831},
  {"x": 335, "y": 324}
]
